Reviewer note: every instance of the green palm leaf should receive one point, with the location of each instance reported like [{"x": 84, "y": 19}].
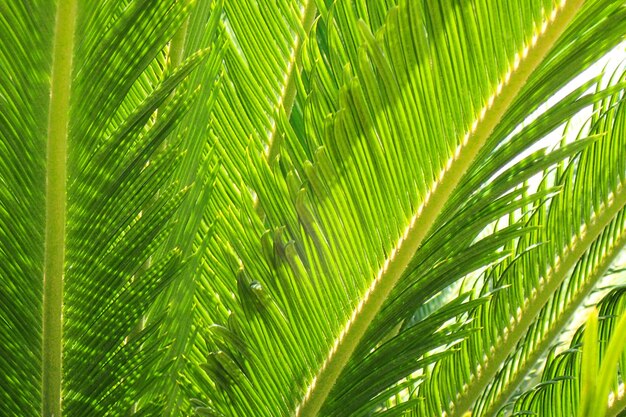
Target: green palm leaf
[
  {"x": 300, "y": 207},
  {"x": 324, "y": 230},
  {"x": 82, "y": 140},
  {"x": 585, "y": 238},
  {"x": 563, "y": 378}
]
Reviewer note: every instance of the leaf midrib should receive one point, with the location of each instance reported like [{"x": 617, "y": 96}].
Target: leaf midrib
[
  {"x": 56, "y": 174},
  {"x": 423, "y": 220}
]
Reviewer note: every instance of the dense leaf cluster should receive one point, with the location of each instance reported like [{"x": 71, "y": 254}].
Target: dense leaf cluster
[{"x": 311, "y": 207}]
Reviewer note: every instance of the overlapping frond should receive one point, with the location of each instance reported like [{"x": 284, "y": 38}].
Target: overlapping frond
[
  {"x": 196, "y": 172},
  {"x": 121, "y": 201},
  {"x": 108, "y": 172},
  {"x": 598, "y": 255},
  {"x": 376, "y": 135},
  {"x": 586, "y": 237},
  {"x": 245, "y": 89},
  {"x": 560, "y": 390},
  {"x": 297, "y": 207}
]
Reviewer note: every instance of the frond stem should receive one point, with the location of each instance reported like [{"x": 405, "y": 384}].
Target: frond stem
[
  {"x": 56, "y": 173},
  {"x": 421, "y": 223}
]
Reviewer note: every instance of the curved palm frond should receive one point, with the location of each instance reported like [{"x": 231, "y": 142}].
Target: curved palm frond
[
  {"x": 244, "y": 108},
  {"x": 562, "y": 377},
  {"x": 585, "y": 235},
  {"x": 82, "y": 138},
  {"x": 599, "y": 253},
  {"x": 323, "y": 244},
  {"x": 302, "y": 207}
]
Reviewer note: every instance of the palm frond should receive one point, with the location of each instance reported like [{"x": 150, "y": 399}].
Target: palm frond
[
  {"x": 327, "y": 241},
  {"x": 304, "y": 207},
  {"x": 77, "y": 343},
  {"x": 23, "y": 124},
  {"x": 586, "y": 238},
  {"x": 237, "y": 116},
  {"x": 562, "y": 378}
]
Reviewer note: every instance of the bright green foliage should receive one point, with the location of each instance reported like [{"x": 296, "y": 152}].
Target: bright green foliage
[
  {"x": 579, "y": 381},
  {"x": 309, "y": 207}
]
